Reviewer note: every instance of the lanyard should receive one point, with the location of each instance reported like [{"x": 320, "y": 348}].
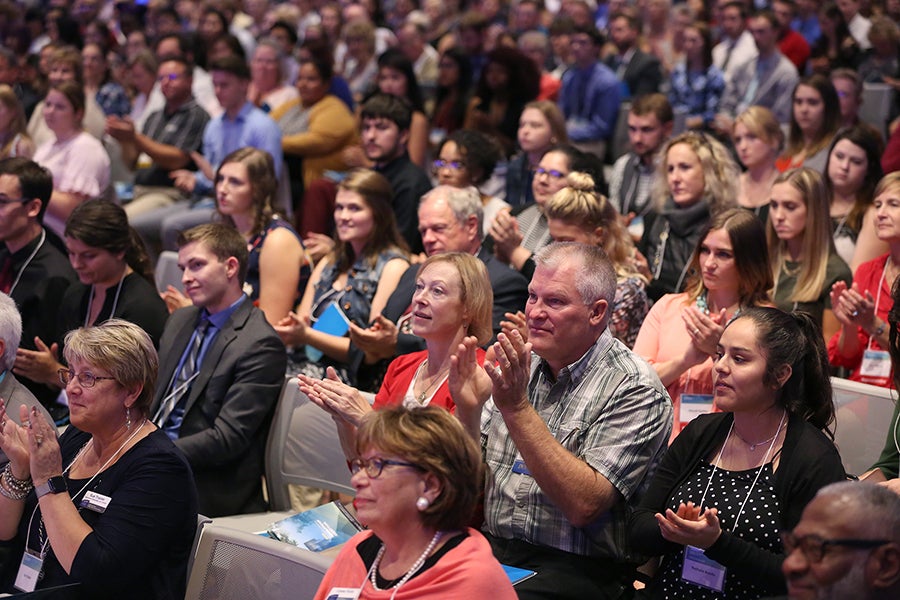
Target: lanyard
[
  {"x": 28, "y": 261},
  {"x": 112, "y": 314},
  {"x": 758, "y": 473}
]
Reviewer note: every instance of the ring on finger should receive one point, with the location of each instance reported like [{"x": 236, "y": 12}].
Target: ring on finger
[
  {"x": 696, "y": 331},
  {"x": 855, "y": 313},
  {"x": 498, "y": 371}
]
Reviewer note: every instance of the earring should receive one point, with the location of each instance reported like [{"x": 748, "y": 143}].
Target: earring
[
  {"x": 422, "y": 503},
  {"x": 127, "y": 417}
]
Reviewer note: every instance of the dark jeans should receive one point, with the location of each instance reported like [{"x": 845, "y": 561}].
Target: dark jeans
[{"x": 561, "y": 575}]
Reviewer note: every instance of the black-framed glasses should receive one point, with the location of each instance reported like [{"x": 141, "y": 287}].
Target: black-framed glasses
[
  {"x": 86, "y": 379},
  {"x": 553, "y": 173},
  {"x": 814, "y": 547},
  {"x": 375, "y": 465},
  {"x": 5, "y": 200},
  {"x": 455, "y": 165}
]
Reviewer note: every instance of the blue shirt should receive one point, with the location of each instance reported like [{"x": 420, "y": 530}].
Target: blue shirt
[
  {"x": 697, "y": 94},
  {"x": 216, "y": 322},
  {"x": 222, "y": 136},
  {"x": 590, "y": 100},
  {"x": 808, "y": 28}
]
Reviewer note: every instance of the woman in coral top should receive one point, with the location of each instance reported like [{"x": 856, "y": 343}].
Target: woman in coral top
[
  {"x": 729, "y": 272},
  {"x": 453, "y": 300},
  {"x": 416, "y": 473}
]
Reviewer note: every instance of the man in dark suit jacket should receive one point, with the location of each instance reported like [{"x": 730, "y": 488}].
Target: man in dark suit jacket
[
  {"x": 216, "y": 402},
  {"x": 12, "y": 393},
  {"x": 450, "y": 220},
  {"x": 639, "y": 71}
]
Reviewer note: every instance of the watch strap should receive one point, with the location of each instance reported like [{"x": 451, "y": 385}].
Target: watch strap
[{"x": 54, "y": 485}]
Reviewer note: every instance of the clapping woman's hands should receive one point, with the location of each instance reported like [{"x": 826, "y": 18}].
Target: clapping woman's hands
[
  {"x": 705, "y": 330},
  {"x": 853, "y": 307},
  {"x": 340, "y": 400},
  {"x": 690, "y": 526},
  {"x": 46, "y": 459},
  {"x": 15, "y": 443}
]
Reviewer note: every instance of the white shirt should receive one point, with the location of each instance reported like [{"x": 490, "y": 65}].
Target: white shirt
[
  {"x": 744, "y": 51},
  {"x": 859, "y": 27}
]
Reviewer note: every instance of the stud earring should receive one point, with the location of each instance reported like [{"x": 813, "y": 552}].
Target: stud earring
[{"x": 422, "y": 503}]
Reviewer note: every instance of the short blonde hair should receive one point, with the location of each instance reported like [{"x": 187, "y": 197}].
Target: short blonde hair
[
  {"x": 121, "y": 348},
  {"x": 763, "y": 124},
  {"x": 475, "y": 290}
]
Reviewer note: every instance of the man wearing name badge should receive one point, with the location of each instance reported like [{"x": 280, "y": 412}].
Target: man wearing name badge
[
  {"x": 571, "y": 434},
  {"x": 846, "y": 545},
  {"x": 13, "y": 394},
  {"x": 33, "y": 269},
  {"x": 450, "y": 220},
  {"x": 221, "y": 371}
]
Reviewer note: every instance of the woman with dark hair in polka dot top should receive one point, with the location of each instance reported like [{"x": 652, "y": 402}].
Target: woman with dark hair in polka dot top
[{"x": 732, "y": 481}]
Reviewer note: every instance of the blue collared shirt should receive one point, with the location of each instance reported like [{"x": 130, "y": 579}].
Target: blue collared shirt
[
  {"x": 216, "y": 322},
  {"x": 222, "y": 136}
]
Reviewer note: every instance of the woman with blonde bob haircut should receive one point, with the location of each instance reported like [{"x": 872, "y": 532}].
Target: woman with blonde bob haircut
[
  {"x": 577, "y": 213},
  {"x": 416, "y": 473},
  {"x": 452, "y": 302},
  {"x": 803, "y": 259},
  {"x": 14, "y": 140},
  {"x": 697, "y": 179},
  {"x": 758, "y": 140}
]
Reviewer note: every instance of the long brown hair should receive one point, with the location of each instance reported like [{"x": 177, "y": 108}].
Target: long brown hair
[
  {"x": 261, "y": 175},
  {"x": 377, "y": 193}
]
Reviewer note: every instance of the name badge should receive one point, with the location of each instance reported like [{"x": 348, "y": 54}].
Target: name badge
[
  {"x": 29, "y": 571},
  {"x": 95, "y": 502},
  {"x": 876, "y": 367},
  {"x": 520, "y": 468},
  {"x": 694, "y": 405},
  {"x": 339, "y": 593},
  {"x": 701, "y": 570}
]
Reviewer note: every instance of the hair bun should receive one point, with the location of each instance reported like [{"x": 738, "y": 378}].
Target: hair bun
[{"x": 580, "y": 181}]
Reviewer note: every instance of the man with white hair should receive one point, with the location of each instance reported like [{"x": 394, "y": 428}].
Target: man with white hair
[
  {"x": 13, "y": 394},
  {"x": 846, "y": 545}
]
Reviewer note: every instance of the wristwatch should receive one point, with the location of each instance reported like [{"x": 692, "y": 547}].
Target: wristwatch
[{"x": 54, "y": 485}]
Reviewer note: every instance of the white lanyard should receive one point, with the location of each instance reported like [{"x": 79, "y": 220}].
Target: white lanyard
[
  {"x": 758, "y": 473},
  {"x": 87, "y": 316},
  {"x": 81, "y": 491},
  {"x": 27, "y": 262}
]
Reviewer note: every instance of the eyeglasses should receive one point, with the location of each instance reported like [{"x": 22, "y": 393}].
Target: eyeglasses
[
  {"x": 375, "y": 465},
  {"x": 85, "y": 379},
  {"x": 168, "y": 77},
  {"x": 553, "y": 173},
  {"x": 4, "y": 200},
  {"x": 455, "y": 165},
  {"x": 814, "y": 547}
]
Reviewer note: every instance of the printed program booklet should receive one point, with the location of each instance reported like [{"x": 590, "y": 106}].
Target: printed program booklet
[{"x": 318, "y": 528}]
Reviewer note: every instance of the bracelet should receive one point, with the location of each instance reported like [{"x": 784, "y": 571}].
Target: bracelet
[
  {"x": 12, "y": 488},
  {"x": 880, "y": 329}
]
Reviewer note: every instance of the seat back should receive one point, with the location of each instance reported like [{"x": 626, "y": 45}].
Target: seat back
[
  {"x": 303, "y": 449},
  {"x": 167, "y": 272},
  {"x": 862, "y": 419},
  {"x": 236, "y": 565},
  {"x": 876, "y": 105}
]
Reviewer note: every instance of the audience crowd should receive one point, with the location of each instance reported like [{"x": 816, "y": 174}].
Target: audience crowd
[{"x": 409, "y": 201}]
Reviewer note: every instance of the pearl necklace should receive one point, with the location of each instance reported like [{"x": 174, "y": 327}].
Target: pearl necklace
[{"x": 412, "y": 570}]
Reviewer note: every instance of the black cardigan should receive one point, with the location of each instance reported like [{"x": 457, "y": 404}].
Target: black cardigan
[{"x": 809, "y": 461}]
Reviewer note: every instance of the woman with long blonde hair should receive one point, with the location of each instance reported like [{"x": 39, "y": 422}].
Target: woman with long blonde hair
[{"x": 804, "y": 261}]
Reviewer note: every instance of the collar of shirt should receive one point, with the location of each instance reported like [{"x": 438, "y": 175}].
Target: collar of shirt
[
  {"x": 242, "y": 114},
  {"x": 575, "y": 371},
  {"x": 219, "y": 319}
]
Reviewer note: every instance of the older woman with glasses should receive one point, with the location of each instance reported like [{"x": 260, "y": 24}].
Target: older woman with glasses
[
  {"x": 110, "y": 505},
  {"x": 416, "y": 475}
]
